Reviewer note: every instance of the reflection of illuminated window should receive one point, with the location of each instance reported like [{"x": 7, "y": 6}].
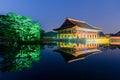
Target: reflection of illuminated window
[
  {"x": 95, "y": 36},
  {"x": 87, "y": 45},
  {"x": 90, "y": 36}
]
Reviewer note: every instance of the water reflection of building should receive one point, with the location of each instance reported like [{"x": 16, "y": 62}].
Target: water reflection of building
[
  {"x": 115, "y": 40},
  {"x": 76, "y": 29},
  {"x": 72, "y": 52}
]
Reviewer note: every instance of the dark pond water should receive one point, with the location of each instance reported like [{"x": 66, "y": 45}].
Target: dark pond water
[{"x": 60, "y": 61}]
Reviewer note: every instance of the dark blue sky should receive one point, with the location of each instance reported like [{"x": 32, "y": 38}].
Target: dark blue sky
[{"x": 51, "y": 14}]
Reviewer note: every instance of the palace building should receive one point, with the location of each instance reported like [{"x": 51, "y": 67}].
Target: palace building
[{"x": 75, "y": 29}]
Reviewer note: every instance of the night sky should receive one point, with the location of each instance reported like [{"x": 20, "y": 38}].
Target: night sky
[{"x": 104, "y": 14}]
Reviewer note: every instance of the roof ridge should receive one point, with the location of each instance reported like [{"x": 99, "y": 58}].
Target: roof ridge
[
  {"x": 76, "y": 20},
  {"x": 93, "y": 26}
]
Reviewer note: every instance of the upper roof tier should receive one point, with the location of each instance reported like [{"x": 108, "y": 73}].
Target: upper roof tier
[{"x": 69, "y": 22}]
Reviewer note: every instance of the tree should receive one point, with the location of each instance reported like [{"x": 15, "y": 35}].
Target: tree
[
  {"x": 42, "y": 33},
  {"x": 15, "y": 27}
]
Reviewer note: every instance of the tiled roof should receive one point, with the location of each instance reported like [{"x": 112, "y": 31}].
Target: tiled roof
[
  {"x": 118, "y": 33},
  {"x": 69, "y": 22}
]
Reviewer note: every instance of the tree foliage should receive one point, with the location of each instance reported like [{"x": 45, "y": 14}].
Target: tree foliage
[{"x": 15, "y": 27}]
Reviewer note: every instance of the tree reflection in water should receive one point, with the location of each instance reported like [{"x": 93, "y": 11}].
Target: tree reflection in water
[{"x": 19, "y": 57}]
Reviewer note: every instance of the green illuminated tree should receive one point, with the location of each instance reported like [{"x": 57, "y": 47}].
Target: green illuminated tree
[{"x": 15, "y": 27}]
